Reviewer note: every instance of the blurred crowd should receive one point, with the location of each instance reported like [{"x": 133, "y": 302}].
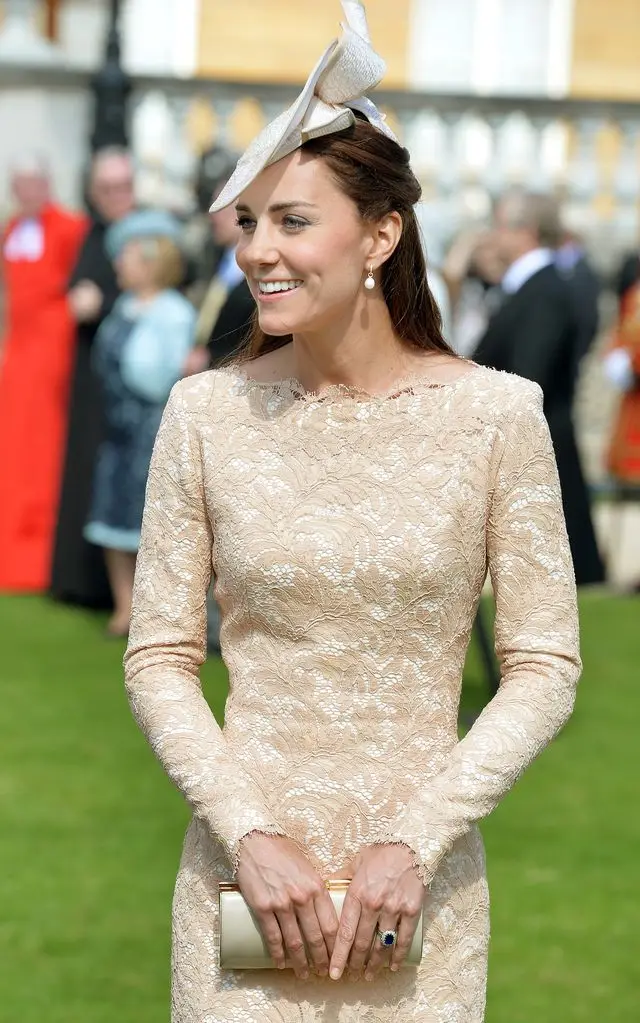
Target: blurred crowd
[{"x": 104, "y": 311}]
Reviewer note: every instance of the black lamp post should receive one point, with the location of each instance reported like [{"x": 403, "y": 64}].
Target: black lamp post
[{"x": 111, "y": 87}]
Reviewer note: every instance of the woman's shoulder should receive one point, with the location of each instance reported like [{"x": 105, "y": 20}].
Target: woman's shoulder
[
  {"x": 206, "y": 394},
  {"x": 500, "y": 392},
  {"x": 495, "y": 401}
]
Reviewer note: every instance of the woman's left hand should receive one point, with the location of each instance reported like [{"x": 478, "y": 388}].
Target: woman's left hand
[{"x": 385, "y": 894}]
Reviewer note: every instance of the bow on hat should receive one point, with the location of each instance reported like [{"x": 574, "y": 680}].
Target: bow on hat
[{"x": 333, "y": 91}]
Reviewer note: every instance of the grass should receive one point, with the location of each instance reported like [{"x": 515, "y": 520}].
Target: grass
[{"x": 91, "y": 835}]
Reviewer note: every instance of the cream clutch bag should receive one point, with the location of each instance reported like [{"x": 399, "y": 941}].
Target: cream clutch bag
[{"x": 241, "y": 943}]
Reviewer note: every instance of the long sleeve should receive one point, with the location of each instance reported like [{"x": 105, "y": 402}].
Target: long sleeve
[
  {"x": 536, "y": 642},
  {"x": 167, "y": 641}
]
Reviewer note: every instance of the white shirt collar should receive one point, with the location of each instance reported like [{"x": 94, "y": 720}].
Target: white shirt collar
[
  {"x": 26, "y": 241},
  {"x": 525, "y": 267}
]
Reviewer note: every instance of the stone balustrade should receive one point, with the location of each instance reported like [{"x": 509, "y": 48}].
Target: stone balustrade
[{"x": 465, "y": 149}]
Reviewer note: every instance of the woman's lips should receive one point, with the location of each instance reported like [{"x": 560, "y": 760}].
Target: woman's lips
[{"x": 276, "y": 296}]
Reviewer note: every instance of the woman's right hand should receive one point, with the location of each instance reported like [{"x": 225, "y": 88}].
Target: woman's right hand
[{"x": 290, "y": 901}]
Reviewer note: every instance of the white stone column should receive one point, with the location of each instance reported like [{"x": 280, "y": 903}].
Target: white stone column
[
  {"x": 440, "y": 45},
  {"x": 485, "y": 55},
  {"x": 491, "y": 46},
  {"x": 20, "y": 41},
  {"x": 186, "y": 17},
  {"x": 82, "y": 32},
  {"x": 161, "y": 36},
  {"x": 522, "y": 46},
  {"x": 560, "y": 52}
]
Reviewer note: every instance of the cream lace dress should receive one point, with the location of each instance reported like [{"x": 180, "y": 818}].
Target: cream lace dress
[{"x": 350, "y": 537}]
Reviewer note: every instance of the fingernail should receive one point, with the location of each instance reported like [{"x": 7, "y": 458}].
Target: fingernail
[
  {"x": 335, "y": 973},
  {"x": 395, "y": 967},
  {"x": 323, "y": 971},
  {"x": 368, "y": 976}
]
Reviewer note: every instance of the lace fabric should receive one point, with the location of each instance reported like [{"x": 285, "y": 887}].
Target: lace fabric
[
  {"x": 291, "y": 387},
  {"x": 350, "y": 536}
]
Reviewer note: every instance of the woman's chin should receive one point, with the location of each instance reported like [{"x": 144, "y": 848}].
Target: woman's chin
[{"x": 274, "y": 326}]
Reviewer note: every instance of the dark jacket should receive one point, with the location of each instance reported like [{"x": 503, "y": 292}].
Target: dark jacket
[
  {"x": 233, "y": 325},
  {"x": 584, "y": 289},
  {"x": 535, "y": 333},
  {"x": 78, "y": 571},
  {"x": 628, "y": 274}
]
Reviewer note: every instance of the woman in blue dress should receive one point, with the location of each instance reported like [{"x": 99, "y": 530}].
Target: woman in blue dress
[{"x": 139, "y": 353}]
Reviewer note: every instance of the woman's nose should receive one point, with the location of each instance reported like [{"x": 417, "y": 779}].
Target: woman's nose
[{"x": 260, "y": 248}]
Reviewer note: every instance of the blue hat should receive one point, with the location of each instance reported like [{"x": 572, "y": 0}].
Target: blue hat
[{"x": 142, "y": 224}]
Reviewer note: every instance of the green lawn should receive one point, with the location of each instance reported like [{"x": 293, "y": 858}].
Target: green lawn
[{"x": 91, "y": 835}]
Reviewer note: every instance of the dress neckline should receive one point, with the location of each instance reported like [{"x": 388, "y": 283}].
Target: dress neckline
[{"x": 290, "y": 387}]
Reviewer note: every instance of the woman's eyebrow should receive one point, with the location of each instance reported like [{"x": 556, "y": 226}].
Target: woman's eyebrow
[{"x": 277, "y": 207}]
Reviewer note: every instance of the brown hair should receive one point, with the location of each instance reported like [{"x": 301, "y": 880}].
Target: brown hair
[
  {"x": 374, "y": 172},
  {"x": 168, "y": 259}
]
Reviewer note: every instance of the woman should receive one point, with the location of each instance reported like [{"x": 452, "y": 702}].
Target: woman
[
  {"x": 347, "y": 485},
  {"x": 140, "y": 349}
]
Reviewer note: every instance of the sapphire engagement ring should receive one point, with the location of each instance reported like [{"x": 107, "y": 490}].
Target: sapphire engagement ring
[{"x": 387, "y": 938}]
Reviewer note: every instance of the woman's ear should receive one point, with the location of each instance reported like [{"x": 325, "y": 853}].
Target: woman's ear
[{"x": 385, "y": 235}]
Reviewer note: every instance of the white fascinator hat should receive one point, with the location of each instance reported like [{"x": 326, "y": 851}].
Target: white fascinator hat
[{"x": 332, "y": 94}]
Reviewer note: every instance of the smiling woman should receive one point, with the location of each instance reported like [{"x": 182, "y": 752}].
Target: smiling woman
[
  {"x": 352, "y": 223},
  {"x": 348, "y": 486}
]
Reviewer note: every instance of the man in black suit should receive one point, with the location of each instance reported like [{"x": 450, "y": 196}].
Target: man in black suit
[
  {"x": 227, "y": 308},
  {"x": 78, "y": 571},
  {"x": 536, "y": 333},
  {"x": 574, "y": 266}
]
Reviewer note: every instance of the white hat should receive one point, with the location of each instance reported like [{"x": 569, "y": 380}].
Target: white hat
[
  {"x": 142, "y": 224},
  {"x": 333, "y": 91}
]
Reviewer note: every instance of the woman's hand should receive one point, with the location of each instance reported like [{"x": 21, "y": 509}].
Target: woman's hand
[
  {"x": 385, "y": 894},
  {"x": 290, "y": 900}
]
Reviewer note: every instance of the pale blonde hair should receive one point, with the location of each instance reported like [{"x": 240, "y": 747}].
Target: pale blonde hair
[{"x": 168, "y": 259}]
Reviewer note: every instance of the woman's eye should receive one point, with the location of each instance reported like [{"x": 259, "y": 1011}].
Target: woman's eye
[
  {"x": 243, "y": 223},
  {"x": 294, "y": 223}
]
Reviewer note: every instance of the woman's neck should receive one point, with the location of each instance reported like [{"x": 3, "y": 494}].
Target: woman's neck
[{"x": 364, "y": 353}]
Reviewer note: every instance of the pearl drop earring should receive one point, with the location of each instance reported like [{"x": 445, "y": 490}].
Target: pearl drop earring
[{"x": 370, "y": 282}]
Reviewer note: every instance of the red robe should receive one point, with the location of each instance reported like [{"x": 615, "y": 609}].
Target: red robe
[
  {"x": 624, "y": 450},
  {"x": 36, "y": 358}
]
